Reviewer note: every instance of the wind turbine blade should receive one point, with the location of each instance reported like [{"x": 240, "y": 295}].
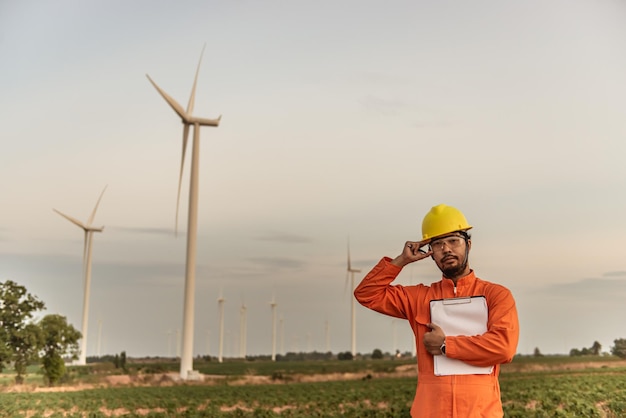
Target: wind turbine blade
[
  {"x": 93, "y": 214},
  {"x": 192, "y": 98},
  {"x": 349, "y": 265},
  {"x": 173, "y": 103},
  {"x": 72, "y": 220},
  {"x": 180, "y": 177},
  {"x": 85, "y": 250}
]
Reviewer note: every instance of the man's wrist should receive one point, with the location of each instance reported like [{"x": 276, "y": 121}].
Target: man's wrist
[
  {"x": 400, "y": 261},
  {"x": 443, "y": 347}
]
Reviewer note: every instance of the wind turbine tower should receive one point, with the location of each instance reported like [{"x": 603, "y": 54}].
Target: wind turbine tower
[
  {"x": 327, "y": 332},
  {"x": 220, "y": 305},
  {"x": 99, "y": 337},
  {"x": 186, "y": 361},
  {"x": 89, "y": 230},
  {"x": 273, "y": 305},
  {"x": 350, "y": 272},
  {"x": 243, "y": 318},
  {"x": 281, "y": 322}
]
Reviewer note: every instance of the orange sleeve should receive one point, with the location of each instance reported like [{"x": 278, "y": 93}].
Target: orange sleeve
[
  {"x": 376, "y": 292},
  {"x": 499, "y": 344}
]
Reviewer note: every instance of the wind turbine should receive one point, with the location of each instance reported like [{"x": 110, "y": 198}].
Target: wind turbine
[
  {"x": 178, "y": 343},
  {"x": 273, "y": 305},
  {"x": 220, "y": 305},
  {"x": 99, "y": 337},
  {"x": 243, "y": 318},
  {"x": 89, "y": 230},
  {"x": 282, "y": 334},
  {"x": 186, "y": 362},
  {"x": 327, "y": 332},
  {"x": 350, "y": 273},
  {"x": 394, "y": 326}
]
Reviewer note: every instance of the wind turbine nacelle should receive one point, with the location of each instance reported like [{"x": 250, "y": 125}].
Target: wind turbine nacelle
[{"x": 204, "y": 121}]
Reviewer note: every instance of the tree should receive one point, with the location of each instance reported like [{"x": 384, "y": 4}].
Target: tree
[
  {"x": 123, "y": 360},
  {"x": 619, "y": 349},
  {"x": 19, "y": 338},
  {"x": 377, "y": 354},
  {"x": 59, "y": 339},
  {"x": 596, "y": 348},
  {"x": 25, "y": 344},
  {"x": 537, "y": 353}
]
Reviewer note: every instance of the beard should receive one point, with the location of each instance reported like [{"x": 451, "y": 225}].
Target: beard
[{"x": 455, "y": 270}]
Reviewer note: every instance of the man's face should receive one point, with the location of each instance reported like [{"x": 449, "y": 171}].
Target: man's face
[{"x": 449, "y": 253}]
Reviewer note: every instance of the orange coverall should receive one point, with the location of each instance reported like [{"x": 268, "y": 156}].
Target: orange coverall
[{"x": 462, "y": 396}]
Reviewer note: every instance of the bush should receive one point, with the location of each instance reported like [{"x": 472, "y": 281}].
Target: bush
[{"x": 377, "y": 354}]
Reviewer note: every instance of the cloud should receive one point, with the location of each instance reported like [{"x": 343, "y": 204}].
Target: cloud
[
  {"x": 278, "y": 262},
  {"x": 615, "y": 274},
  {"x": 587, "y": 290},
  {"x": 284, "y": 237},
  {"x": 151, "y": 231},
  {"x": 383, "y": 106},
  {"x": 390, "y": 107}
]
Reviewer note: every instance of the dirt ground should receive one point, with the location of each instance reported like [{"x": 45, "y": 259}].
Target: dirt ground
[{"x": 170, "y": 379}]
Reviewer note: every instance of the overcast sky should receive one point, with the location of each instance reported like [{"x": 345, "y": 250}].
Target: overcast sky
[{"x": 340, "y": 119}]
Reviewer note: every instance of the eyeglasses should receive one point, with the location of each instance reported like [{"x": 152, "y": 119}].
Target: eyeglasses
[{"x": 452, "y": 242}]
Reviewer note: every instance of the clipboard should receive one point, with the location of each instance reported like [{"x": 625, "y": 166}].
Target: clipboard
[{"x": 459, "y": 316}]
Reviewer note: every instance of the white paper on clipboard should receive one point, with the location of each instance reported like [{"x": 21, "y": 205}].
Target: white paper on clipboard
[{"x": 459, "y": 316}]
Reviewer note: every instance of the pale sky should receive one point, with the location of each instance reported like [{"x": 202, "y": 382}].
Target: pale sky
[{"x": 340, "y": 119}]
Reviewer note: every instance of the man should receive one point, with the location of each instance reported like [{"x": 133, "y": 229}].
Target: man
[{"x": 446, "y": 241}]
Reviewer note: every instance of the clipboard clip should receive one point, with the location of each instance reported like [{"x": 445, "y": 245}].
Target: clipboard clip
[{"x": 456, "y": 301}]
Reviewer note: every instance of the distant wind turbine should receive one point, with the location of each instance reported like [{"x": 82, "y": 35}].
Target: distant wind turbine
[
  {"x": 89, "y": 230},
  {"x": 350, "y": 273},
  {"x": 186, "y": 363},
  {"x": 243, "y": 318},
  {"x": 282, "y": 334},
  {"x": 273, "y": 305},
  {"x": 178, "y": 343},
  {"x": 99, "y": 336},
  {"x": 394, "y": 330},
  {"x": 220, "y": 305},
  {"x": 327, "y": 332}
]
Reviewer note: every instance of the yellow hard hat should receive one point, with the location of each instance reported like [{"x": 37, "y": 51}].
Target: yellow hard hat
[{"x": 443, "y": 219}]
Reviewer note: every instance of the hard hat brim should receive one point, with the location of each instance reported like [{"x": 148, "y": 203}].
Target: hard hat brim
[{"x": 429, "y": 240}]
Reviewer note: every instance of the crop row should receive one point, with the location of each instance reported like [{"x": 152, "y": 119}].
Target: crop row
[{"x": 567, "y": 394}]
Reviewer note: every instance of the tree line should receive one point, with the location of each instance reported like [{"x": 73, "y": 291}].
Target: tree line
[
  {"x": 25, "y": 341},
  {"x": 618, "y": 350}
]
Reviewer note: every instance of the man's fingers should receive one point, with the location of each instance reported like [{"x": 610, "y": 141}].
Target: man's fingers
[{"x": 415, "y": 248}]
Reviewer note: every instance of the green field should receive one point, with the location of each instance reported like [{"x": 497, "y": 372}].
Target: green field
[{"x": 561, "y": 388}]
